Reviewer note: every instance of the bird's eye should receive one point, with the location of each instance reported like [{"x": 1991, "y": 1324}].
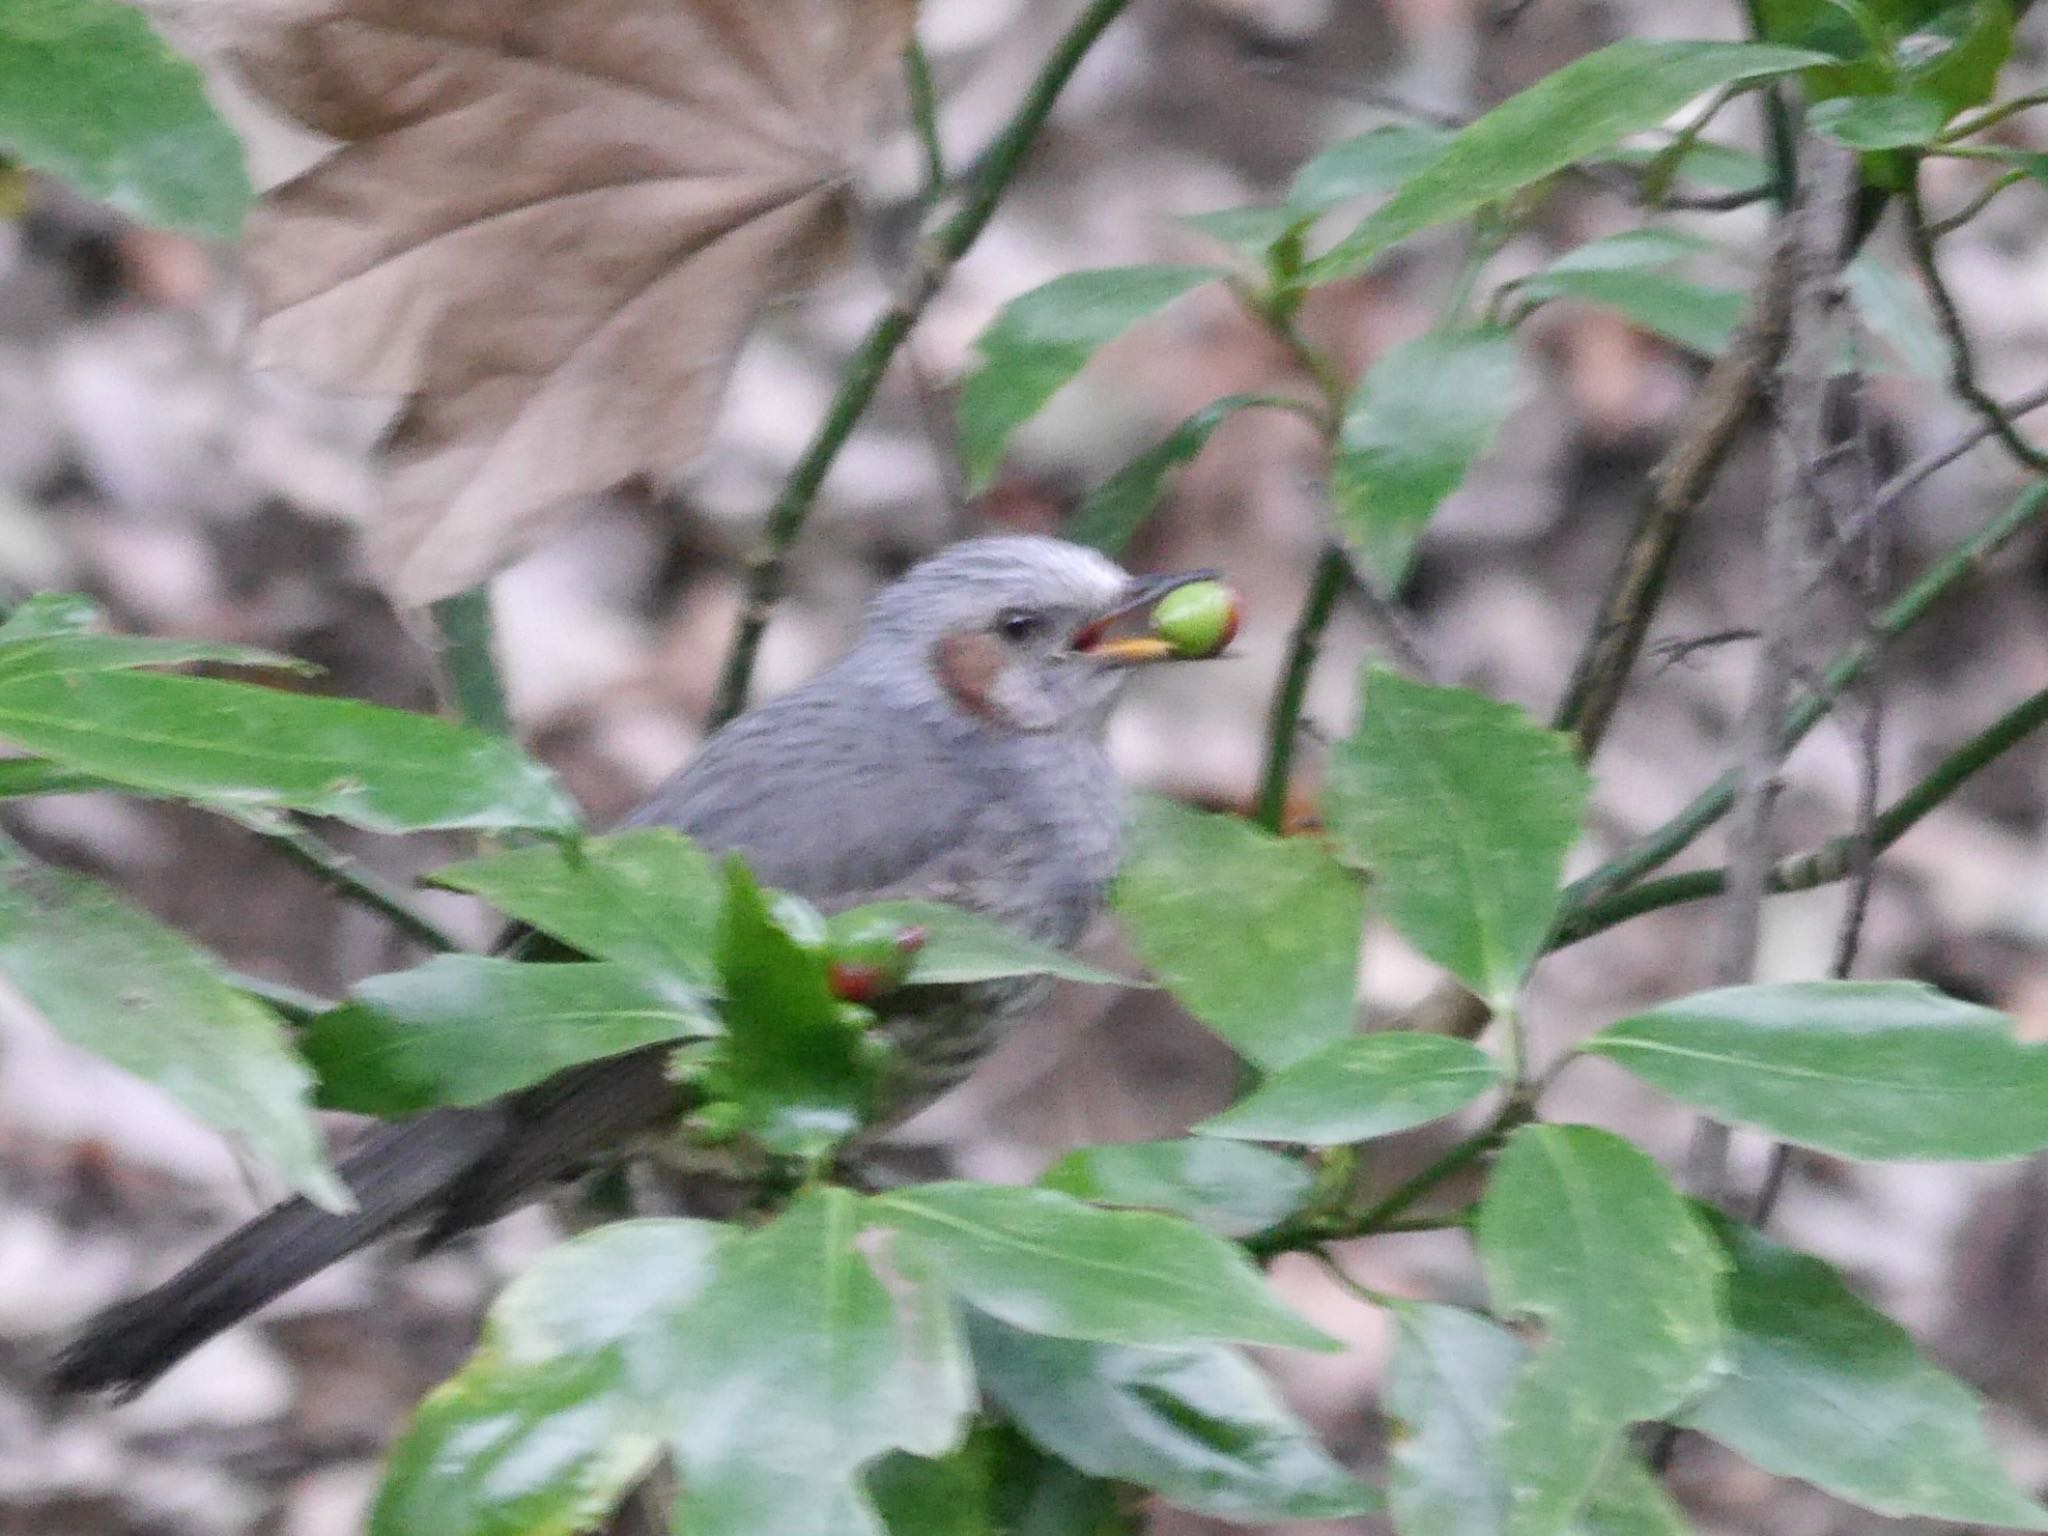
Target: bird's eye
[{"x": 1020, "y": 626}]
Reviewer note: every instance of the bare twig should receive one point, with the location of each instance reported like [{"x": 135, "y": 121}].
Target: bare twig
[{"x": 936, "y": 257}]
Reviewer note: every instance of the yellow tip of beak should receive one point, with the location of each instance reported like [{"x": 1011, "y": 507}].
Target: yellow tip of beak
[{"x": 1136, "y": 651}]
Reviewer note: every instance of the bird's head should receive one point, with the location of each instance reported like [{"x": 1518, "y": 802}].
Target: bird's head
[{"x": 1014, "y": 632}]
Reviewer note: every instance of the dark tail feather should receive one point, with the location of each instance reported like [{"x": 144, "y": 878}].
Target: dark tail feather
[
  {"x": 400, "y": 1172},
  {"x": 452, "y": 1170}
]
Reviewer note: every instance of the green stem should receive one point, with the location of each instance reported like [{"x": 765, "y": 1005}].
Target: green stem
[
  {"x": 1713, "y": 802},
  {"x": 924, "y": 118},
  {"x": 1835, "y": 859},
  {"x": 1991, "y": 117},
  {"x": 1283, "y": 727},
  {"x": 937, "y": 256},
  {"x": 1976, "y": 205},
  {"x": 464, "y": 623},
  {"x": 342, "y": 874}
]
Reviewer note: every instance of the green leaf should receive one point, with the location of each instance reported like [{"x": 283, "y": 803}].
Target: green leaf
[
  {"x": 61, "y": 654},
  {"x": 794, "y": 1066},
  {"x": 1822, "y": 1387},
  {"x": 113, "y": 980},
  {"x": 1115, "y": 510},
  {"x": 1043, "y": 338},
  {"x": 1890, "y": 121},
  {"x": 962, "y": 946},
  {"x": 1202, "y": 1426},
  {"x": 997, "y": 1484},
  {"x": 1721, "y": 167},
  {"x": 245, "y": 747},
  {"x": 1047, "y": 1263},
  {"x": 1220, "y": 1186},
  {"x": 552, "y": 1420},
  {"x": 1697, "y": 316},
  {"x": 1367, "y": 1086},
  {"x": 48, "y": 614},
  {"x": 795, "y": 1369},
  {"x": 1286, "y": 982},
  {"x": 1866, "y": 1069},
  {"x": 1895, "y": 310},
  {"x": 1465, "y": 809},
  {"x": 1632, "y": 250},
  {"x": 1418, "y": 419},
  {"x": 1583, "y": 1232},
  {"x": 1589, "y": 105},
  {"x": 91, "y": 94},
  {"x": 465, "y": 1029},
  {"x": 1376, "y": 161},
  {"x": 1451, "y": 1372},
  {"x": 648, "y": 898}
]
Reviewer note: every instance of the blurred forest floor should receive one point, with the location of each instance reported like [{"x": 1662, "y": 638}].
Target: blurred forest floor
[{"x": 139, "y": 464}]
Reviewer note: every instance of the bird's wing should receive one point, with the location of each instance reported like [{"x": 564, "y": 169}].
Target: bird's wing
[{"x": 823, "y": 798}]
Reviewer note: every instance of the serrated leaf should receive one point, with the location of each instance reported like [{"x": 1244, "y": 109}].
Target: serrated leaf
[
  {"x": 1201, "y": 1427},
  {"x": 1043, "y": 338},
  {"x": 1114, "y": 511},
  {"x": 1451, "y": 1374},
  {"x": 1574, "y": 112},
  {"x": 1464, "y": 809},
  {"x": 1285, "y": 984},
  {"x": 792, "y": 1065},
  {"x": 1822, "y": 1387},
  {"x": 962, "y": 946},
  {"x": 1047, "y": 1263},
  {"x": 1367, "y": 1086},
  {"x": 1220, "y": 1186},
  {"x": 1583, "y": 1232},
  {"x": 245, "y": 747},
  {"x": 1417, "y": 421},
  {"x": 552, "y": 1419},
  {"x": 648, "y": 898},
  {"x": 114, "y": 981},
  {"x": 1890, "y": 121},
  {"x": 675, "y": 166},
  {"x": 1869, "y": 1069},
  {"x": 465, "y": 1029},
  {"x": 91, "y": 94}
]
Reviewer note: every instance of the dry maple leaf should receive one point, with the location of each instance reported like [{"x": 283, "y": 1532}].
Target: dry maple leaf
[{"x": 549, "y": 226}]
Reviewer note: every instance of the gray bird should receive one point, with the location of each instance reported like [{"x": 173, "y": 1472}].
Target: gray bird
[{"x": 955, "y": 754}]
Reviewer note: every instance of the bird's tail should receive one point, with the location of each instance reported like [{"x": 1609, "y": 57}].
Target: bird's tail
[
  {"x": 402, "y": 1171},
  {"x": 448, "y": 1171}
]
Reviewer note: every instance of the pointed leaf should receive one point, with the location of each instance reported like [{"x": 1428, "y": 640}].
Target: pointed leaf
[
  {"x": 1574, "y": 112},
  {"x": 1048, "y": 1263},
  {"x": 1286, "y": 982},
  {"x": 1220, "y": 1186},
  {"x": 1375, "y": 161},
  {"x": 247, "y": 747},
  {"x": 1418, "y": 419},
  {"x": 465, "y": 1029},
  {"x": 1870, "y": 1069},
  {"x": 1115, "y": 510},
  {"x": 648, "y": 898},
  {"x": 91, "y": 94},
  {"x": 23, "y": 659},
  {"x": 1583, "y": 1232},
  {"x": 1889, "y": 121},
  {"x": 673, "y": 165},
  {"x": 1371, "y": 1085},
  {"x": 1822, "y": 1387},
  {"x": 110, "y": 978},
  {"x": 1202, "y": 1427},
  {"x": 962, "y": 946},
  {"x": 1043, "y": 338},
  {"x": 1696, "y": 316},
  {"x": 1464, "y": 809}
]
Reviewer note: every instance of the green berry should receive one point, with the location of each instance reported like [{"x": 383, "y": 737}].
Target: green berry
[{"x": 1197, "y": 620}]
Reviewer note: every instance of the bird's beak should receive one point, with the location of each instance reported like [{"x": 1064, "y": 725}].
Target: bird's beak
[{"x": 1135, "y": 650}]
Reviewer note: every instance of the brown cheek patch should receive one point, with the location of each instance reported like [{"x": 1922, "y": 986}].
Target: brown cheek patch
[{"x": 968, "y": 665}]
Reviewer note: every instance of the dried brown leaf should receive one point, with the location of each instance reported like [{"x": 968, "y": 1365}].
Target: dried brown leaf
[{"x": 549, "y": 226}]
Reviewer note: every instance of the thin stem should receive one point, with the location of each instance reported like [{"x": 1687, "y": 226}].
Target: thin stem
[
  {"x": 1962, "y": 358},
  {"x": 924, "y": 118},
  {"x": 1976, "y": 205},
  {"x": 1835, "y": 859},
  {"x": 1712, "y": 803},
  {"x": 464, "y": 624},
  {"x": 1283, "y": 726},
  {"x": 346, "y": 877},
  {"x": 1991, "y": 117},
  {"x": 937, "y": 256}
]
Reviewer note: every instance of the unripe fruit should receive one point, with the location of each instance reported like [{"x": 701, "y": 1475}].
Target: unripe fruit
[{"x": 1197, "y": 620}]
